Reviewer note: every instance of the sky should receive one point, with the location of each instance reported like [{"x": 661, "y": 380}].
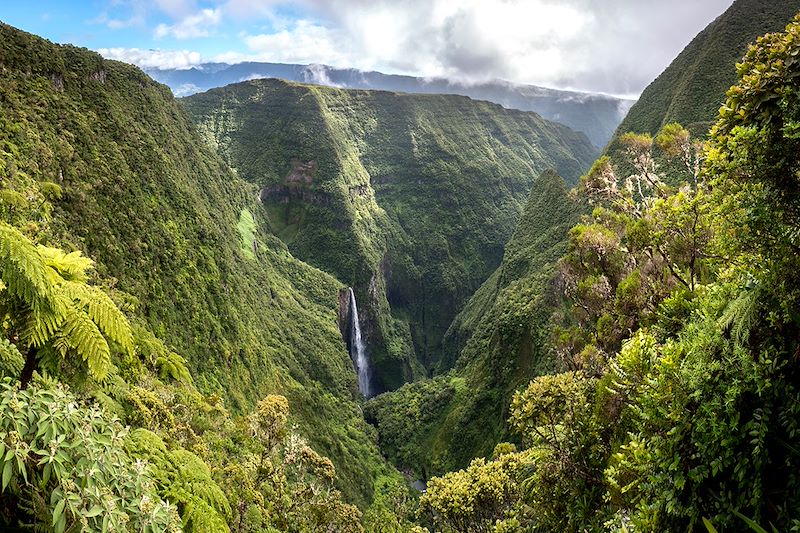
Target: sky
[{"x": 608, "y": 46}]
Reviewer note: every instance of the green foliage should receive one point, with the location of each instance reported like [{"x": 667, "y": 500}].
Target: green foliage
[
  {"x": 408, "y": 418},
  {"x": 184, "y": 480},
  {"x": 11, "y": 361},
  {"x": 645, "y": 240},
  {"x": 394, "y": 508},
  {"x": 753, "y": 155},
  {"x": 690, "y": 90},
  {"x": 247, "y": 230},
  {"x": 407, "y": 198},
  {"x": 65, "y": 467},
  {"x": 556, "y": 416},
  {"x": 691, "y": 417},
  {"x": 277, "y": 481},
  {"x": 110, "y": 165},
  {"x": 499, "y": 341},
  {"x": 477, "y": 499},
  {"x": 53, "y": 310}
]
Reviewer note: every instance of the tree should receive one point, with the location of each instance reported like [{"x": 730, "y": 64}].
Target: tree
[
  {"x": 52, "y": 312},
  {"x": 754, "y": 156},
  {"x": 476, "y": 499},
  {"x": 645, "y": 238}
]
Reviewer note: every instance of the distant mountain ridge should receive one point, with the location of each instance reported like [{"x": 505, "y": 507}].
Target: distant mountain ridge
[{"x": 596, "y": 115}]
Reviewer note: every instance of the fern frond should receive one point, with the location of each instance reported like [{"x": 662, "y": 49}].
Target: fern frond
[
  {"x": 13, "y": 199},
  {"x": 199, "y": 517},
  {"x": 38, "y": 328},
  {"x": 173, "y": 366},
  {"x": 85, "y": 338},
  {"x": 24, "y": 272},
  {"x": 11, "y": 361},
  {"x": 102, "y": 311},
  {"x": 741, "y": 314},
  {"x": 71, "y": 266},
  {"x": 194, "y": 477}
]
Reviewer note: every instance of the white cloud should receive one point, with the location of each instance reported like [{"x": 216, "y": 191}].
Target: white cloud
[
  {"x": 164, "y": 59},
  {"x": 198, "y": 24},
  {"x": 318, "y": 74},
  {"x": 612, "y": 46},
  {"x": 177, "y": 9},
  {"x": 304, "y": 42}
]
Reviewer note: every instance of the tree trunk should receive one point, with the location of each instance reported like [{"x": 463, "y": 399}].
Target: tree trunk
[{"x": 31, "y": 363}]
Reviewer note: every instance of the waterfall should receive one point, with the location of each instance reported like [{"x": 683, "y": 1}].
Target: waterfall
[{"x": 358, "y": 350}]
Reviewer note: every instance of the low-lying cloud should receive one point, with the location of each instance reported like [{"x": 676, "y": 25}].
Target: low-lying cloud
[{"x": 611, "y": 46}]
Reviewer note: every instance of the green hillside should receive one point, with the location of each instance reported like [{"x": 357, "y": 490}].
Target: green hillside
[
  {"x": 691, "y": 90},
  {"x": 170, "y": 225},
  {"x": 498, "y": 342},
  {"x": 556, "y": 346},
  {"x": 503, "y": 336},
  {"x": 673, "y": 313},
  {"x": 408, "y": 198}
]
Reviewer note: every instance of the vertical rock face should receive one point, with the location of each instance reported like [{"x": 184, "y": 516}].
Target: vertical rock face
[{"x": 431, "y": 185}]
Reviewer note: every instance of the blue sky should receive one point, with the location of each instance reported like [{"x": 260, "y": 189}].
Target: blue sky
[{"x": 611, "y": 46}]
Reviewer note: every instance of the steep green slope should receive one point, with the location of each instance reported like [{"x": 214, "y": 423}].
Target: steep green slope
[
  {"x": 165, "y": 217},
  {"x": 501, "y": 341},
  {"x": 693, "y": 87},
  {"x": 408, "y": 198}
]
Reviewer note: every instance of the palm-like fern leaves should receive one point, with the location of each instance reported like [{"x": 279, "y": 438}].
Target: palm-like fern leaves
[
  {"x": 51, "y": 306},
  {"x": 29, "y": 284},
  {"x": 102, "y": 311}
]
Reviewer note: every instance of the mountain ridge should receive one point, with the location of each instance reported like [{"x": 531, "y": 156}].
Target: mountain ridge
[
  {"x": 692, "y": 88},
  {"x": 595, "y": 114}
]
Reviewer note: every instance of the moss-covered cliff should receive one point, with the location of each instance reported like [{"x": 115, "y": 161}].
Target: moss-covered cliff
[{"x": 408, "y": 198}]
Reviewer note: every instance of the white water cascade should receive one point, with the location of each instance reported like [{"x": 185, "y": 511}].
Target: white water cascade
[{"x": 358, "y": 350}]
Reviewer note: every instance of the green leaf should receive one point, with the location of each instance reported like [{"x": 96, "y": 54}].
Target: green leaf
[
  {"x": 94, "y": 511},
  {"x": 6, "y": 474},
  {"x": 58, "y": 512},
  {"x": 755, "y": 527},
  {"x": 709, "y": 526},
  {"x": 61, "y": 525}
]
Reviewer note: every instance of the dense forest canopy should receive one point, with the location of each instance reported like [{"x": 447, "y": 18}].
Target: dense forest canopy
[{"x": 566, "y": 346}]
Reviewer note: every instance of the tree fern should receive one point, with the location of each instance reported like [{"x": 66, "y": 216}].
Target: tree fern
[
  {"x": 24, "y": 272},
  {"x": 173, "y": 366},
  {"x": 71, "y": 266},
  {"x": 156, "y": 354},
  {"x": 54, "y": 310},
  {"x": 741, "y": 314},
  {"x": 83, "y": 335},
  {"x": 102, "y": 311}
]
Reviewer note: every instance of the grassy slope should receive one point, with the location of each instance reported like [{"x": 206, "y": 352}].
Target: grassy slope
[
  {"x": 411, "y": 201},
  {"x": 501, "y": 338},
  {"x": 159, "y": 211},
  {"x": 693, "y": 87}
]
